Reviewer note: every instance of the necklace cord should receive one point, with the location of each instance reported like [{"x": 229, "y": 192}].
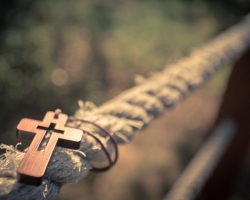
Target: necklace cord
[{"x": 111, "y": 163}]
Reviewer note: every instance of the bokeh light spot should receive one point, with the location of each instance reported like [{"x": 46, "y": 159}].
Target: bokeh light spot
[{"x": 59, "y": 77}]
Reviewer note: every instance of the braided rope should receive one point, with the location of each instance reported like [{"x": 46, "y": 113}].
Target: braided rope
[{"x": 125, "y": 115}]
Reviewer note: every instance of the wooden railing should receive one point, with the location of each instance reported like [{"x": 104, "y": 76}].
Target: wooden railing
[
  {"x": 201, "y": 181},
  {"x": 212, "y": 175}
]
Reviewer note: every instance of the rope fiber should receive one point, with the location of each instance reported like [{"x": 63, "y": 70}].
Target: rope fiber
[{"x": 124, "y": 116}]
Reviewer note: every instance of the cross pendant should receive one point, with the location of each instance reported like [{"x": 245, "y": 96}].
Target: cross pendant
[{"x": 33, "y": 166}]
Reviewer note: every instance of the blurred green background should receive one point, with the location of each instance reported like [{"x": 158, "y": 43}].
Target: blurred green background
[{"x": 53, "y": 53}]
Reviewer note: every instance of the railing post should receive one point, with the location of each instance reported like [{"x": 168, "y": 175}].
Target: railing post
[{"x": 235, "y": 105}]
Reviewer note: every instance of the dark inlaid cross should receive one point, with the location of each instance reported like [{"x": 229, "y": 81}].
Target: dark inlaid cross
[{"x": 33, "y": 166}]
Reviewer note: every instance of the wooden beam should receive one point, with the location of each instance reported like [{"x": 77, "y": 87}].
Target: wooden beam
[{"x": 235, "y": 105}]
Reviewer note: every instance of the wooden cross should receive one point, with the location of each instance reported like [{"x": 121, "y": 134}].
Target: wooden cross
[{"x": 33, "y": 166}]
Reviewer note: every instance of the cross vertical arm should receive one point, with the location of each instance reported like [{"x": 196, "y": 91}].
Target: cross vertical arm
[{"x": 33, "y": 166}]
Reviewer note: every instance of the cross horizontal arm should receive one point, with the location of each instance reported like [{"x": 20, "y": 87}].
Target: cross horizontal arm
[
  {"x": 33, "y": 166},
  {"x": 136, "y": 108}
]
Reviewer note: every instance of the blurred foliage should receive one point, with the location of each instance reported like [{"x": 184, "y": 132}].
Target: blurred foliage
[{"x": 55, "y": 52}]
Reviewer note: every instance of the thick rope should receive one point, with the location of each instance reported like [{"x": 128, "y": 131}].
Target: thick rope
[{"x": 125, "y": 115}]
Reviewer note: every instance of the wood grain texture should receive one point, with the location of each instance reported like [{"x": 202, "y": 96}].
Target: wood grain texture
[{"x": 33, "y": 166}]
